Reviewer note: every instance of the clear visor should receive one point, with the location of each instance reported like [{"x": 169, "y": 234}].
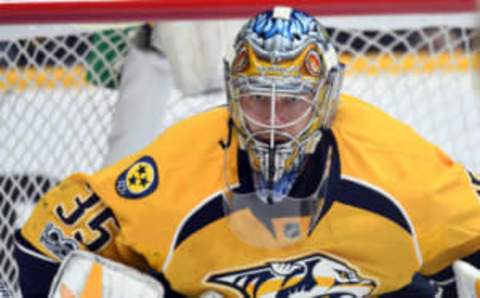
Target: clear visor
[
  {"x": 272, "y": 106},
  {"x": 271, "y": 226},
  {"x": 275, "y": 111},
  {"x": 262, "y": 224}
]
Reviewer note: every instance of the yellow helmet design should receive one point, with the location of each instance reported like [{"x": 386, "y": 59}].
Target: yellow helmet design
[{"x": 282, "y": 87}]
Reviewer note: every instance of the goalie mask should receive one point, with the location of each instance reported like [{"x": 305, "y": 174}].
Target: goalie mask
[{"x": 282, "y": 86}]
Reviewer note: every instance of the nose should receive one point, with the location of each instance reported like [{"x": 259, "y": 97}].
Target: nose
[{"x": 277, "y": 116}]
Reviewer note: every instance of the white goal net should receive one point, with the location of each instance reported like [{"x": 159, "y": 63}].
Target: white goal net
[{"x": 59, "y": 93}]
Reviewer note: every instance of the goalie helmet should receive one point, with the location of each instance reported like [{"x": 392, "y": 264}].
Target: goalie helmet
[{"x": 282, "y": 88}]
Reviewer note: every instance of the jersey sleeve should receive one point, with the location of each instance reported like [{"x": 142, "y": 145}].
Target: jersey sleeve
[
  {"x": 73, "y": 216},
  {"x": 449, "y": 224}
]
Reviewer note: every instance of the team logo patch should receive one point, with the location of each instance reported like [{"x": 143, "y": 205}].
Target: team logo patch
[
  {"x": 139, "y": 180},
  {"x": 55, "y": 241},
  {"x": 311, "y": 276}
]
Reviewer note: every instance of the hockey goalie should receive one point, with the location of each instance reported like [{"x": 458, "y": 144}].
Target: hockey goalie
[{"x": 291, "y": 189}]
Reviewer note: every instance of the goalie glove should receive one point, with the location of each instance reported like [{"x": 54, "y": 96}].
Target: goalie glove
[
  {"x": 467, "y": 278},
  {"x": 84, "y": 274}
]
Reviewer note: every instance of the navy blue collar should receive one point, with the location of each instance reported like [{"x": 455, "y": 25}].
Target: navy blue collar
[{"x": 312, "y": 171}]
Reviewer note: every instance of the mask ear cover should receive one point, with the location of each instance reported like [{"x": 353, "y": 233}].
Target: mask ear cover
[
  {"x": 334, "y": 83},
  {"x": 226, "y": 74}
]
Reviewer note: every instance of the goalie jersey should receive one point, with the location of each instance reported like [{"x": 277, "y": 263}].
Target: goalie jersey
[{"x": 396, "y": 207}]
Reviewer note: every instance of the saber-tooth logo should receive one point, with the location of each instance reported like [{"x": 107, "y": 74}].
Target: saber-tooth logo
[{"x": 312, "y": 276}]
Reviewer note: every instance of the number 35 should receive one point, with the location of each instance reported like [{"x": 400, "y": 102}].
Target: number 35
[{"x": 97, "y": 223}]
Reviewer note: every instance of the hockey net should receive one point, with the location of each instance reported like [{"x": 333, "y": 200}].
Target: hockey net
[{"x": 59, "y": 93}]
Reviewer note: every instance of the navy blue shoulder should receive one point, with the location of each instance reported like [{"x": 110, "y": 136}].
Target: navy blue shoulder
[{"x": 36, "y": 270}]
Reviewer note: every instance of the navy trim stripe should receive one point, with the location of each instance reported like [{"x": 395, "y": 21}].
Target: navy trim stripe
[
  {"x": 208, "y": 213},
  {"x": 361, "y": 196},
  {"x": 19, "y": 239},
  {"x": 473, "y": 178},
  {"x": 420, "y": 287},
  {"x": 328, "y": 140},
  {"x": 35, "y": 274}
]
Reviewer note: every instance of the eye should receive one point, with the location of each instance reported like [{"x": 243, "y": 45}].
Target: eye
[
  {"x": 259, "y": 98},
  {"x": 291, "y": 99}
]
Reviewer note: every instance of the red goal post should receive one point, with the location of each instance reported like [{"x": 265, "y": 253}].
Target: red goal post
[
  {"x": 32, "y": 11},
  {"x": 415, "y": 59}
]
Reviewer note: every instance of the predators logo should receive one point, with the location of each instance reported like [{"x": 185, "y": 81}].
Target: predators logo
[
  {"x": 312, "y": 276},
  {"x": 138, "y": 180}
]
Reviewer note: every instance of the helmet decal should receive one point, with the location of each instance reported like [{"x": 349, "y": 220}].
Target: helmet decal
[
  {"x": 241, "y": 61},
  {"x": 313, "y": 63},
  {"x": 282, "y": 87}
]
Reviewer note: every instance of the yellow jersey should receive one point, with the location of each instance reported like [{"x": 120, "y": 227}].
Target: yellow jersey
[{"x": 396, "y": 206}]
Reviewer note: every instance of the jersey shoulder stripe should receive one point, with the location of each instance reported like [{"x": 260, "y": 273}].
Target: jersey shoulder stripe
[
  {"x": 359, "y": 194},
  {"x": 206, "y": 213}
]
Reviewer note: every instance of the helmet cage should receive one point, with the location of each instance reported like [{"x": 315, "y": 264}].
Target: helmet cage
[
  {"x": 276, "y": 165},
  {"x": 281, "y": 57}
]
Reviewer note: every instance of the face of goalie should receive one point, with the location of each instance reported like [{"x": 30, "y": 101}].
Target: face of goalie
[
  {"x": 287, "y": 114},
  {"x": 282, "y": 86}
]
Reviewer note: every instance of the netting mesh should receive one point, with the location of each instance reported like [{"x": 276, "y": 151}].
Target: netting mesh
[
  {"x": 57, "y": 96},
  {"x": 58, "y": 93},
  {"x": 424, "y": 76}
]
